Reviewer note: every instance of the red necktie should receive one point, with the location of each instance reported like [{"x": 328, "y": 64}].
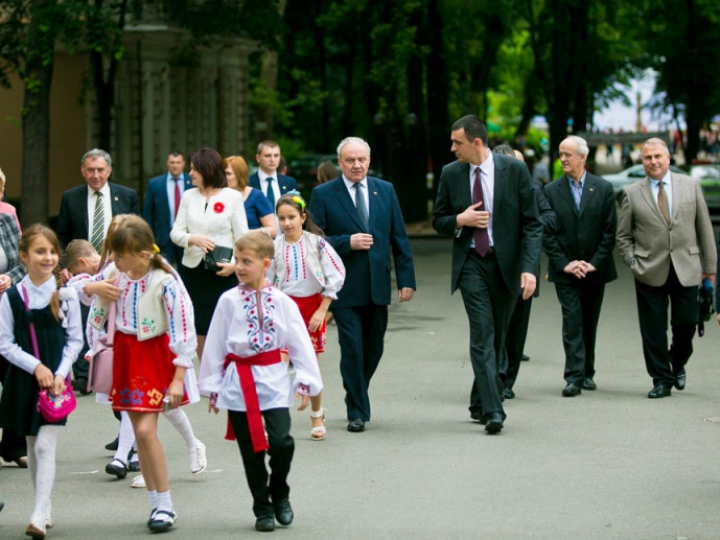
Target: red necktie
[
  {"x": 178, "y": 194},
  {"x": 482, "y": 240}
]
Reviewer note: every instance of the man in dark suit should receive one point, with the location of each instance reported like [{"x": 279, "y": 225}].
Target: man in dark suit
[
  {"x": 520, "y": 318},
  {"x": 162, "y": 202},
  {"x": 580, "y": 253},
  {"x": 362, "y": 220},
  {"x": 665, "y": 236},
  {"x": 486, "y": 203},
  {"x": 267, "y": 178},
  {"x": 85, "y": 214}
]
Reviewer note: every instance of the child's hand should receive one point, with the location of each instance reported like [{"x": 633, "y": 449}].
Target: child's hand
[
  {"x": 175, "y": 393},
  {"x": 212, "y": 402},
  {"x": 44, "y": 376},
  {"x": 304, "y": 402},
  {"x": 87, "y": 357},
  {"x": 58, "y": 386},
  {"x": 317, "y": 319},
  {"x": 104, "y": 289}
]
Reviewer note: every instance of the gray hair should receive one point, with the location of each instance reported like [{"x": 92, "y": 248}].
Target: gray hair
[
  {"x": 96, "y": 153},
  {"x": 655, "y": 140},
  {"x": 581, "y": 146},
  {"x": 348, "y": 140}
]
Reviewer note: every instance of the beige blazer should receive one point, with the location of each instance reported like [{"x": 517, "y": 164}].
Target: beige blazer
[{"x": 687, "y": 242}]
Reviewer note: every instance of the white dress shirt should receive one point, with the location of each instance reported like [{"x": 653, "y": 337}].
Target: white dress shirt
[
  {"x": 107, "y": 209},
  {"x": 38, "y": 298},
  {"x": 667, "y": 185},
  {"x": 264, "y": 184},
  {"x": 171, "y": 183},
  {"x": 487, "y": 175},
  {"x": 222, "y": 220},
  {"x": 366, "y": 191}
]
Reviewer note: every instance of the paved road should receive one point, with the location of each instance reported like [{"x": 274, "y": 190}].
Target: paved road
[{"x": 609, "y": 464}]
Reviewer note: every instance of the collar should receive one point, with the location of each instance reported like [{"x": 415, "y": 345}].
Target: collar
[
  {"x": 486, "y": 166},
  {"x": 582, "y": 180},
  {"x": 105, "y": 190},
  {"x": 48, "y": 287},
  {"x": 262, "y": 176},
  {"x": 350, "y": 184},
  {"x": 247, "y": 289},
  {"x": 170, "y": 177},
  {"x": 665, "y": 180}
]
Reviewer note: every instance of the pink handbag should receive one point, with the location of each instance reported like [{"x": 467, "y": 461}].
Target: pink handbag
[
  {"x": 52, "y": 408},
  {"x": 100, "y": 373}
]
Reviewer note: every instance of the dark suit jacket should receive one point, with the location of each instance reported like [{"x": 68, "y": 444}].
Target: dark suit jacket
[
  {"x": 156, "y": 209},
  {"x": 287, "y": 183},
  {"x": 585, "y": 235},
  {"x": 367, "y": 279},
  {"x": 517, "y": 231},
  {"x": 73, "y": 219}
]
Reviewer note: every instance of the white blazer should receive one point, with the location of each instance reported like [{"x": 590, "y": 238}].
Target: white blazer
[{"x": 222, "y": 220}]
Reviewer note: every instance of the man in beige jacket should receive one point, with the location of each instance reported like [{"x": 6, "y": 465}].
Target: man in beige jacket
[{"x": 665, "y": 235}]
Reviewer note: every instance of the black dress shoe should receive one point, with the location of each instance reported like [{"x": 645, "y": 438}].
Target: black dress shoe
[
  {"x": 478, "y": 416},
  {"x": 494, "y": 423},
  {"x": 680, "y": 380},
  {"x": 117, "y": 468},
  {"x": 660, "y": 391},
  {"x": 80, "y": 385},
  {"x": 113, "y": 445},
  {"x": 571, "y": 390},
  {"x": 508, "y": 393},
  {"x": 2, "y": 505},
  {"x": 525, "y": 358},
  {"x": 589, "y": 384},
  {"x": 283, "y": 511},
  {"x": 356, "y": 425},
  {"x": 265, "y": 524}
]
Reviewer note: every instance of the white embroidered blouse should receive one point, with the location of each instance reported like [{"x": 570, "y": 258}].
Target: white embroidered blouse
[
  {"x": 236, "y": 329},
  {"x": 38, "y": 298}
]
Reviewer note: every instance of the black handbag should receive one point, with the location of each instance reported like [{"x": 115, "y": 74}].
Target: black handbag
[{"x": 219, "y": 255}]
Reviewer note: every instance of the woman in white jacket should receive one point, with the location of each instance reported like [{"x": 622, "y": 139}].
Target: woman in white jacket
[{"x": 210, "y": 216}]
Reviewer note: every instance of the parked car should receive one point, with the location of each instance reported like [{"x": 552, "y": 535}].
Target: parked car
[
  {"x": 709, "y": 176},
  {"x": 628, "y": 176}
]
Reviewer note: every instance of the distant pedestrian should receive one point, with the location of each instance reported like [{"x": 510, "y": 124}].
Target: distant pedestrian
[
  {"x": 268, "y": 178},
  {"x": 258, "y": 210},
  {"x": 307, "y": 269},
  {"x": 326, "y": 171},
  {"x": 40, "y": 335},
  {"x": 242, "y": 371}
]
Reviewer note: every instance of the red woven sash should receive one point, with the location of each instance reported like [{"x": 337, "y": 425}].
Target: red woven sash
[{"x": 252, "y": 405}]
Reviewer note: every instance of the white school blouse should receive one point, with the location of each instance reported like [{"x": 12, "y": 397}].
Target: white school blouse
[
  {"x": 223, "y": 220},
  {"x": 306, "y": 267},
  {"x": 38, "y": 298},
  {"x": 235, "y": 328}
]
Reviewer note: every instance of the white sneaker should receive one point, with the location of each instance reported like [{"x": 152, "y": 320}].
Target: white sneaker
[
  {"x": 138, "y": 482},
  {"x": 198, "y": 459}
]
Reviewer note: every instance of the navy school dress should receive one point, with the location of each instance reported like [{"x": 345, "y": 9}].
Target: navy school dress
[{"x": 18, "y": 404}]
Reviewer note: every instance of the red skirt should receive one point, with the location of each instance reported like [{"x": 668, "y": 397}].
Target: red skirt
[
  {"x": 142, "y": 372},
  {"x": 309, "y": 305}
]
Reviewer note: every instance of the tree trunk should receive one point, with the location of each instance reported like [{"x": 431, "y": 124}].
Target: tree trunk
[{"x": 38, "y": 73}]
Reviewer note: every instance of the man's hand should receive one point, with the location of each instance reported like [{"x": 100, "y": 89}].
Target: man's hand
[
  {"x": 361, "y": 241},
  {"x": 575, "y": 268},
  {"x": 711, "y": 277},
  {"x": 472, "y": 217},
  {"x": 405, "y": 294},
  {"x": 587, "y": 267},
  {"x": 527, "y": 284}
]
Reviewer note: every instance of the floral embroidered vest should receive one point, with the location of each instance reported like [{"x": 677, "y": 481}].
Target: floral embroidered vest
[{"x": 152, "y": 319}]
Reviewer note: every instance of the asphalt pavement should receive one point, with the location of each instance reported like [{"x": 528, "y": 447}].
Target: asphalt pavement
[{"x": 609, "y": 464}]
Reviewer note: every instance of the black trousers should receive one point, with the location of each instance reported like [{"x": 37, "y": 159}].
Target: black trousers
[
  {"x": 516, "y": 337},
  {"x": 13, "y": 445},
  {"x": 361, "y": 334},
  {"x": 663, "y": 363},
  {"x": 282, "y": 448},
  {"x": 581, "y": 302},
  {"x": 488, "y": 304}
]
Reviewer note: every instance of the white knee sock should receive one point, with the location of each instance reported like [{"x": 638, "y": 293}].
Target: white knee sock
[
  {"x": 126, "y": 438},
  {"x": 181, "y": 423},
  {"x": 164, "y": 502},
  {"x": 44, "y": 448},
  {"x": 152, "y": 495}
]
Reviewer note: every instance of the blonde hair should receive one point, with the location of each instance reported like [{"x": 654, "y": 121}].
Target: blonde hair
[
  {"x": 2, "y": 180},
  {"x": 134, "y": 236},
  {"x": 76, "y": 249},
  {"x": 239, "y": 168},
  {"x": 256, "y": 241},
  {"x": 24, "y": 245}
]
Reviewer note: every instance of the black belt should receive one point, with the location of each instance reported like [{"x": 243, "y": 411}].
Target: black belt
[{"x": 491, "y": 251}]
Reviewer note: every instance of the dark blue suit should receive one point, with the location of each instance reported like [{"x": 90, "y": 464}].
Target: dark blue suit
[
  {"x": 361, "y": 308},
  {"x": 287, "y": 183},
  {"x": 156, "y": 211}
]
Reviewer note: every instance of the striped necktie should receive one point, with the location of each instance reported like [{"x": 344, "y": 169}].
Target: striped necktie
[
  {"x": 98, "y": 227},
  {"x": 361, "y": 205}
]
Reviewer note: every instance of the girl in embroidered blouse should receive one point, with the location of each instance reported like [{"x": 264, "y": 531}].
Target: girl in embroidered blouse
[
  {"x": 154, "y": 345},
  {"x": 54, "y": 312},
  {"x": 309, "y": 270}
]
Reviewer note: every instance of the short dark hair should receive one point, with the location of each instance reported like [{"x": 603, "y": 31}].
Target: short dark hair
[
  {"x": 504, "y": 149},
  {"x": 176, "y": 153},
  {"x": 209, "y": 164},
  {"x": 473, "y": 127},
  {"x": 269, "y": 144}
]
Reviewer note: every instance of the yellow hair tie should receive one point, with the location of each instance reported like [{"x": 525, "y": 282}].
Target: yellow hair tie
[
  {"x": 156, "y": 249},
  {"x": 299, "y": 201}
]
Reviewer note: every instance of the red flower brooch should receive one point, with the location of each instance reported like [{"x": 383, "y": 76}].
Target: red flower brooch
[{"x": 219, "y": 207}]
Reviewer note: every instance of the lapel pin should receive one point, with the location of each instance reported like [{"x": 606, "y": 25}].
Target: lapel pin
[
  {"x": 591, "y": 189},
  {"x": 116, "y": 199},
  {"x": 374, "y": 192}
]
